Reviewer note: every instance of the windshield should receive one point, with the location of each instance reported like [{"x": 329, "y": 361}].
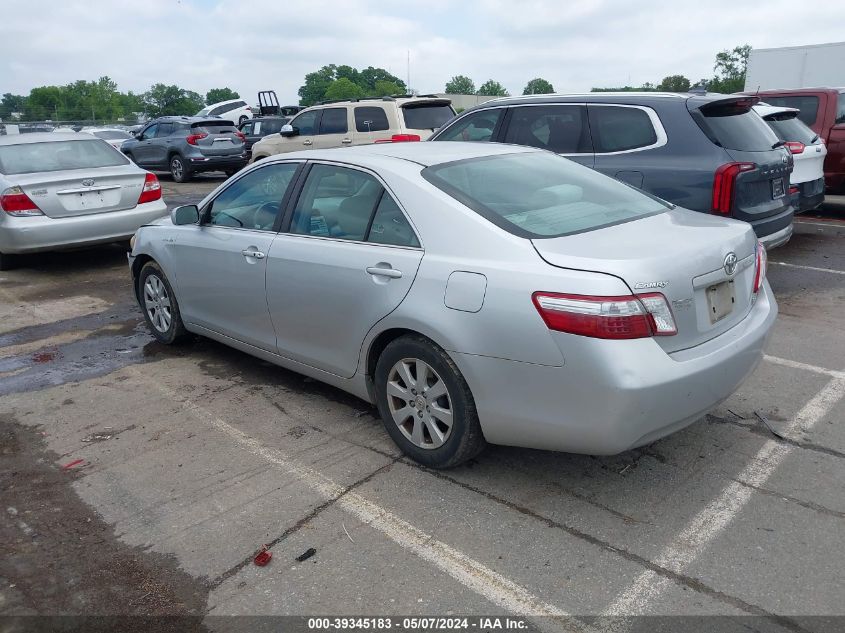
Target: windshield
[
  {"x": 30, "y": 158},
  {"x": 112, "y": 135},
  {"x": 427, "y": 116},
  {"x": 788, "y": 127},
  {"x": 539, "y": 195}
]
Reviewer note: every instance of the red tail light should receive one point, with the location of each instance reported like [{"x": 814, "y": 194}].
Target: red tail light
[
  {"x": 400, "y": 138},
  {"x": 761, "y": 262},
  {"x": 626, "y": 317},
  {"x": 15, "y": 202},
  {"x": 193, "y": 138},
  {"x": 240, "y": 135},
  {"x": 795, "y": 147},
  {"x": 724, "y": 186},
  {"x": 151, "y": 191},
  {"x": 793, "y": 189}
]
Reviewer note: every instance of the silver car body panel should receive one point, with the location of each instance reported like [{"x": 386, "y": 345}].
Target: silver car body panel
[{"x": 532, "y": 386}]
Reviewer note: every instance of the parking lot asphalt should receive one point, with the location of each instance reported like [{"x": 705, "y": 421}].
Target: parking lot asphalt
[{"x": 170, "y": 467}]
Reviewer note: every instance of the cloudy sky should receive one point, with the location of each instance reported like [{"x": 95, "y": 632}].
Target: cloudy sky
[{"x": 250, "y": 45}]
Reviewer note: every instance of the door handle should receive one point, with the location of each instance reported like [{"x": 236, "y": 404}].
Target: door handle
[
  {"x": 378, "y": 271},
  {"x": 248, "y": 252},
  {"x": 307, "y": 141},
  {"x": 346, "y": 141}
]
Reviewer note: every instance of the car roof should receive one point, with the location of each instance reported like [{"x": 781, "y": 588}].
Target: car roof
[{"x": 43, "y": 137}]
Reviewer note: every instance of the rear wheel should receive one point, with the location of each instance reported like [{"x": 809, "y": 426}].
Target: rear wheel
[
  {"x": 161, "y": 310},
  {"x": 7, "y": 262},
  {"x": 425, "y": 403},
  {"x": 179, "y": 169}
]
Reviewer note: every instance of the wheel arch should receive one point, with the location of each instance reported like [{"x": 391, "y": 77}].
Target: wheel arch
[{"x": 137, "y": 265}]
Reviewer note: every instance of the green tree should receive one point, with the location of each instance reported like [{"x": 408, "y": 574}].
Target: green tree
[
  {"x": 316, "y": 84},
  {"x": 11, "y": 103},
  {"x": 44, "y": 103},
  {"x": 371, "y": 82},
  {"x": 370, "y": 77},
  {"x": 674, "y": 83},
  {"x": 730, "y": 69},
  {"x": 162, "y": 100},
  {"x": 216, "y": 95},
  {"x": 386, "y": 88},
  {"x": 492, "y": 88},
  {"x": 538, "y": 86},
  {"x": 460, "y": 85},
  {"x": 344, "y": 88}
]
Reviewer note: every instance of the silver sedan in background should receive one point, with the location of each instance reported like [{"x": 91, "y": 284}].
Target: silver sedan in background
[
  {"x": 63, "y": 190},
  {"x": 475, "y": 293}
]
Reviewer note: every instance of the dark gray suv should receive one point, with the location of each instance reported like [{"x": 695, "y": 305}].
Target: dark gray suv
[
  {"x": 185, "y": 146},
  {"x": 710, "y": 153}
]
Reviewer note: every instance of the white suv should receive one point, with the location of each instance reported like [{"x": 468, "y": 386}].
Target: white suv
[
  {"x": 358, "y": 122},
  {"x": 235, "y": 110}
]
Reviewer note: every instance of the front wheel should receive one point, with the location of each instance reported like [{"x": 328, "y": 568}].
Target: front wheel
[
  {"x": 161, "y": 310},
  {"x": 179, "y": 170},
  {"x": 425, "y": 403}
]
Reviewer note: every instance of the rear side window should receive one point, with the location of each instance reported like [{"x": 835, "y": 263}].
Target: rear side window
[
  {"x": 164, "y": 129},
  {"x": 736, "y": 127},
  {"x": 840, "y": 108},
  {"x": 31, "y": 158},
  {"x": 478, "y": 126},
  {"x": 618, "y": 129},
  {"x": 371, "y": 119},
  {"x": 807, "y": 104},
  {"x": 790, "y": 128},
  {"x": 333, "y": 121},
  {"x": 561, "y": 128},
  {"x": 389, "y": 225},
  {"x": 426, "y": 116}
]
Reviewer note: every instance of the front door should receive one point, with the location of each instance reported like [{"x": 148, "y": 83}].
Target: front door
[
  {"x": 348, "y": 260},
  {"x": 220, "y": 265},
  {"x": 142, "y": 151},
  {"x": 334, "y": 130}
]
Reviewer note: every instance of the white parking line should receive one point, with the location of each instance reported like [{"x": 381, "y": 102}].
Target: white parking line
[
  {"x": 474, "y": 575},
  {"x": 810, "y": 222},
  {"x": 820, "y": 270},
  {"x": 794, "y": 364},
  {"x": 710, "y": 522}
]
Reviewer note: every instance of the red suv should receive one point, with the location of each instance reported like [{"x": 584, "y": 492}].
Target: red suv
[{"x": 822, "y": 109}]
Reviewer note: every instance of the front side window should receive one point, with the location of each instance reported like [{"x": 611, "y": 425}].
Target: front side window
[
  {"x": 369, "y": 119},
  {"x": 538, "y": 195},
  {"x": 150, "y": 131},
  {"x": 29, "y": 158},
  {"x": 253, "y": 201},
  {"x": 333, "y": 121},
  {"x": 478, "y": 126},
  {"x": 618, "y": 129},
  {"x": 246, "y": 128},
  {"x": 306, "y": 122},
  {"x": 807, "y": 106},
  {"x": 561, "y": 129}
]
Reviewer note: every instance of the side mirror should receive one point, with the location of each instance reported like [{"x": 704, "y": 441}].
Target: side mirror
[
  {"x": 289, "y": 130},
  {"x": 187, "y": 214}
]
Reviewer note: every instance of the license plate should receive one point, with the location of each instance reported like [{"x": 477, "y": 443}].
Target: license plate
[
  {"x": 90, "y": 199},
  {"x": 777, "y": 188},
  {"x": 720, "y": 300}
]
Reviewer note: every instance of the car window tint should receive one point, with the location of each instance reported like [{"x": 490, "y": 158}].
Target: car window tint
[
  {"x": 788, "y": 127},
  {"x": 616, "y": 129},
  {"x": 218, "y": 110},
  {"x": 253, "y": 201},
  {"x": 333, "y": 121},
  {"x": 561, "y": 128},
  {"x": 150, "y": 131},
  {"x": 736, "y": 126},
  {"x": 477, "y": 126},
  {"x": 369, "y": 119},
  {"x": 164, "y": 129},
  {"x": 426, "y": 116},
  {"x": 272, "y": 127},
  {"x": 390, "y": 226},
  {"x": 247, "y": 128},
  {"x": 28, "y": 158},
  {"x": 336, "y": 202},
  {"x": 808, "y": 105},
  {"x": 306, "y": 122}
]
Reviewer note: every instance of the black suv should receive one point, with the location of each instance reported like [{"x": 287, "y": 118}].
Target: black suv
[
  {"x": 187, "y": 145},
  {"x": 706, "y": 152}
]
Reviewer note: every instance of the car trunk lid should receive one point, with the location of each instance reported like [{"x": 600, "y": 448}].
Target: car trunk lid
[
  {"x": 216, "y": 138},
  {"x": 680, "y": 254}
]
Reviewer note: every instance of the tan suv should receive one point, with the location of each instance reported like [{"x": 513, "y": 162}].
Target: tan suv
[{"x": 358, "y": 122}]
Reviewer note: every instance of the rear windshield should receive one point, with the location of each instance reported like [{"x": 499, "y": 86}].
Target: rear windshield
[
  {"x": 736, "y": 127},
  {"x": 539, "y": 195},
  {"x": 112, "y": 135},
  {"x": 213, "y": 127},
  {"x": 788, "y": 127},
  {"x": 808, "y": 106},
  {"x": 30, "y": 158},
  {"x": 427, "y": 116}
]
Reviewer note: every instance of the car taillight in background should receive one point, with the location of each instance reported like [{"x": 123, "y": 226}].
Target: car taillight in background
[
  {"x": 794, "y": 147},
  {"x": 626, "y": 317},
  {"x": 400, "y": 138},
  {"x": 240, "y": 135},
  {"x": 724, "y": 186},
  {"x": 193, "y": 138},
  {"x": 15, "y": 202},
  {"x": 151, "y": 190},
  {"x": 761, "y": 262}
]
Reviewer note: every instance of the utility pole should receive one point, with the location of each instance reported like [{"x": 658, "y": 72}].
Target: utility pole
[{"x": 409, "y": 72}]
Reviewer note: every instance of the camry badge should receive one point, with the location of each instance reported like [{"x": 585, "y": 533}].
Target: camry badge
[
  {"x": 640, "y": 285},
  {"x": 88, "y": 182},
  {"x": 730, "y": 264}
]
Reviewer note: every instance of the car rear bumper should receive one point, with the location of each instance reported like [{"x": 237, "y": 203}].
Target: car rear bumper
[
  {"x": 611, "y": 396},
  {"x": 42, "y": 233},
  {"x": 217, "y": 163},
  {"x": 773, "y": 240},
  {"x": 810, "y": 195}
]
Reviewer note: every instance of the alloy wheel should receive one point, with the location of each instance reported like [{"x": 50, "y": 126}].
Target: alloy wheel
[
  {"x": 176, "y": 168},
  {"x": 157, "y": 303},
  {"x": 419, "y": 403}
]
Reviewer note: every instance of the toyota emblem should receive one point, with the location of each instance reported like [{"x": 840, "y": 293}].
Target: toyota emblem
[
  {"x": 730, "y": 264},
  {"x": 88, "y": 182}
]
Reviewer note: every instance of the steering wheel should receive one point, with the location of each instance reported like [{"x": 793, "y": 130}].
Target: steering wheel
[
  {"x": 229, "y": 215},
  {"x": 270, "y": 210}
]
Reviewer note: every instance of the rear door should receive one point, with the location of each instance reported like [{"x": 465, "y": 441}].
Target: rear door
[
  {"x": 334, "y": 129},
  {"x": 620, "y": 135},
  {"x": 307, "y": 124},
  {"x": 348, "y": 260},
  {"x": 563, "y": 129},
  {"x": 372, "y": 123},
  {"x": 216, "y": 138}
]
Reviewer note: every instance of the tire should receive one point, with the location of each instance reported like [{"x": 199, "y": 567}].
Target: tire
[
  {"x": 415, "y": 421},
  {"x": 242, "y": 119},
  {"x": 231, "y": 172},
  {"x": 159, "y": 305},
  {"x": 7, "y": 262},
  {"x": 179, "y": 170}
]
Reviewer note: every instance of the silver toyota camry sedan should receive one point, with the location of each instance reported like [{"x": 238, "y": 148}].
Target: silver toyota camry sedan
[
  {"x": 475, "y": 293},
  {"x": 60, "y": 190}
]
